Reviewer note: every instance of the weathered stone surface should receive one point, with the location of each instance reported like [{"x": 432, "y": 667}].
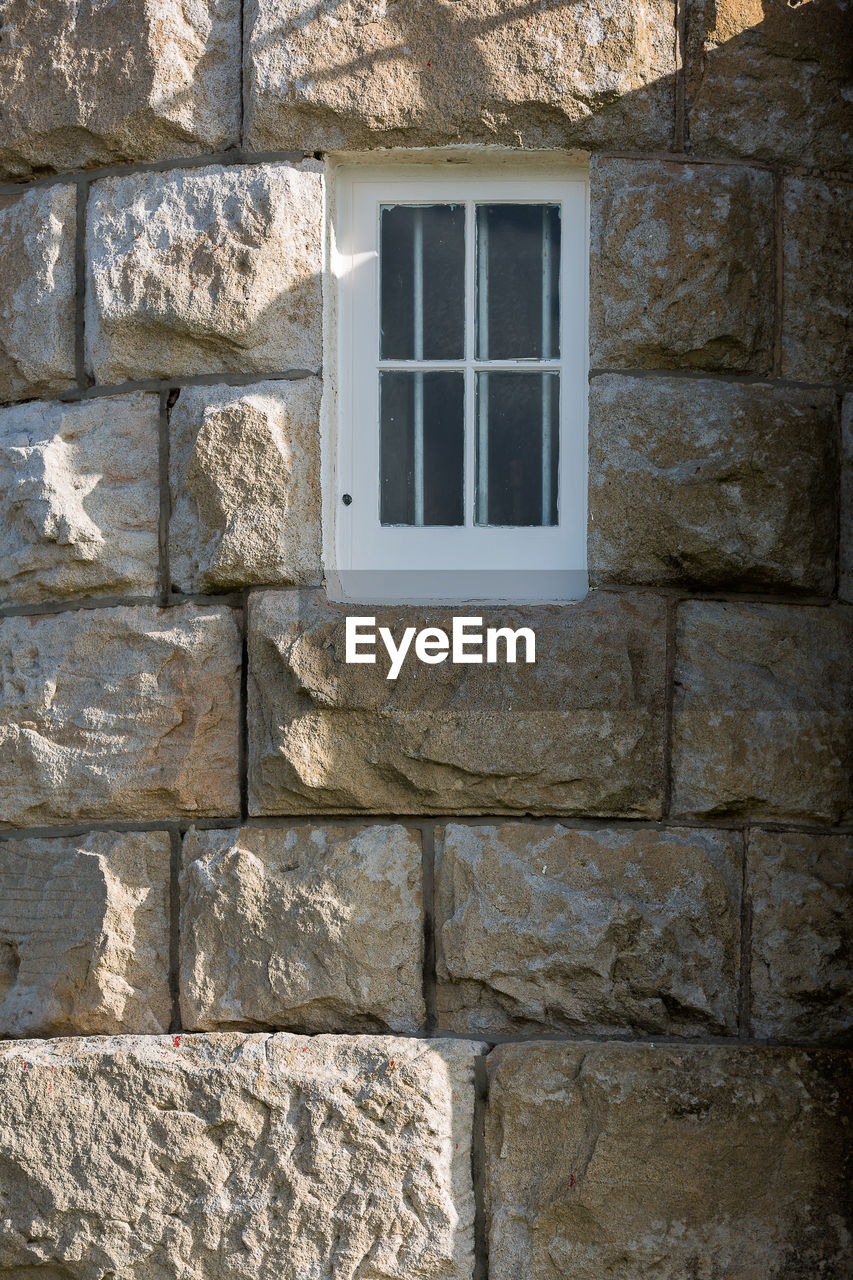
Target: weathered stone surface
[
  {"x": 845, "y": 550},
  {"x": 84, "y": 83},
  {"x": 368, "y": 72},
  {"x": 681, "y": 266},
  {"x": 762, "y": 718},
  {"x": 309, "y": 928},
  {"x": 715, "y": 484},
  {"x": 118, "y": 714},
  {"x": 37, "y": 231},
  {"x": 802, "y": 935},
  {"x": 79, "y": 498},
  {"x": 218, "y": 1157},
  {"x": 578, "y": 731},
  {"x": 769, "y": 79},
  {"x": 200, "y": 270},
  {"x": 84, "y": 934},
  {"x": 639, "y": 1160},
  {"x": 542, "y": 928},
  {"x": 245, "y": 477},
  {"x": 817, "y": 323}
]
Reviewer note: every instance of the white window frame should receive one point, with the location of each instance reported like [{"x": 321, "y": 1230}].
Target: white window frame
[{"x": 366, "y": 561}]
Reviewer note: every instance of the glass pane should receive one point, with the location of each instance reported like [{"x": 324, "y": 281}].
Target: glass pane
[
  {"x": 422, "y": 447},
  {"x": 422, "y": 282},
  {"x": 517, "y": 428},
  {"x": 518, "y": 281}
]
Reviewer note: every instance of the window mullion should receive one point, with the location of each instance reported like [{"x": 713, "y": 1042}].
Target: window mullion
[{"x": 470, "y": 353}]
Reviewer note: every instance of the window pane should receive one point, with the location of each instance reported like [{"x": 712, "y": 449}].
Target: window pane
[
  {"x": 422, "y": 282},
  {"x": 517, "y": 430},
  {"x": 518, "y": 281},
  {"x": 422, "y": 448}
]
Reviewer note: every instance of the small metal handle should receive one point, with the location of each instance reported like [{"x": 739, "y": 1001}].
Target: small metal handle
[{"x": 346, "y": 499}]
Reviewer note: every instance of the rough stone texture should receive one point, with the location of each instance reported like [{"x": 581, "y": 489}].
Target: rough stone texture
[
  {"x": 368, "y": 72},
  {"x": 79, "y": 498},
  {"x": 762, "y": 716},
  {"x": 204, "y": 270},
  {"x": 218, "y": 1157},
  {"x": 681, "y": 266},
  {"x": 704, "y": 483},
  {"x": 84, "y": 934},
  {"x": 817, "y": 325},
  {"x": 37, "y": 231},
  {"x": 541, "y": 928},
  {"x": 802, "y": 935},
  {"x": 118, "y": 714},
  {"x": 578, "y": 731},
  {"x": 85, "y": 83},
  {"x": 639, "y": 1160},
  {"x": 309, "y": 928},
  {"x": 845, "y": 551},
  {"x": 245, "y": 478},
  {"x": 769, "y": 79}
]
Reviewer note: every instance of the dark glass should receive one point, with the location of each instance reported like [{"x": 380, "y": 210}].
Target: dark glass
[
  {"x": 519, "y": 245},
  {"x": 519, "y": 407},
  {"x": 443, "y": 447},
  {"x": 443, "y": 282}
]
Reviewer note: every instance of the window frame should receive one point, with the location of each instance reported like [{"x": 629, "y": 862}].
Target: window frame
[{"x": 368, "y": 561}]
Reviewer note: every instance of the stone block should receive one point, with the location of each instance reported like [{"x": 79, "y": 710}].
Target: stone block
[
  {"x": 203, "y": 270},
  {"x": 845, "y": 550},
  {"x": 366, "y": 73},
  {"x": 119, "y": 713},
  {"x": 308, "y": 928},
  {"x": 817, "y": 327},
  {"x": 578, "y": 731},
  {"x": 84, "y": 934},
  {"x": 544, "y": 928},
  {"x": 245, "y": 478},
  {"x": 762, "y": 717},
  {"x": 219, "y": 1157},
  {"x": 84, "y": 83},
  {"x": 704, "y": 483},
  {"x": 802, "y": 935},
  {"x": 79, "y": 498},
  {"x": 681, "y": 265},
  {"x": 769, "y": 80},
  {"x": 37, "y": 288},
  {"x": 637, "y": 1160}
]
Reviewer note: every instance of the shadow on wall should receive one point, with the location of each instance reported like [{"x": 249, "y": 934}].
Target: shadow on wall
[{"x": 764, "y": 78}]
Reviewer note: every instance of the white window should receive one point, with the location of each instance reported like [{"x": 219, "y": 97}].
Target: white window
[{"x": 460, "y": 459}]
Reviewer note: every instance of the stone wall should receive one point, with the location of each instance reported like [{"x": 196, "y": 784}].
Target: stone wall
[{"x": 305, "y": 974}]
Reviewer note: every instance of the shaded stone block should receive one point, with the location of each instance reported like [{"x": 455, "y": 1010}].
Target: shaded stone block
[
  {"x": 37, "y": 287},
  {"x": 769, "y": 80},
  {"x": 216, "y": 1156},
  {"x": 706, "y": 483},
  {"x": 79, "y": 499},
  {"x": 84, "y": 83},
  {"x": 245, "y": 483},
  {"x": 544, "y": 928},
  {"x": 762, "y": 725},
  {"x": 578, "y": 731},
  {"x": 203, "y": 270},
  {"x": 368, "y": 73},
  {"x": 84, "y": 934},
  {"x": 630, "y": 1160},
  {"x": 309, "y": 928},
  {"x": 802, "y": 935},
  {"x": 119, "y": 714},
  {"x": 817, "y": 326},
  {"x": 681, "y": 266},
  {"x": 845, "y": 550}
]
